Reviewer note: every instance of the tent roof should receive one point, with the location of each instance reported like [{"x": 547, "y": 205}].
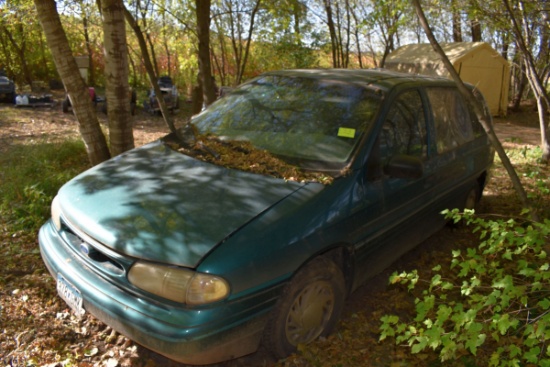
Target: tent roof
[
  {"x": 424, "y": 53},
  {"x": 476, "y": 62}
]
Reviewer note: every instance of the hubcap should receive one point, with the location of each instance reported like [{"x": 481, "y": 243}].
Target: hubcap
[{"x": 310, "y": 313}]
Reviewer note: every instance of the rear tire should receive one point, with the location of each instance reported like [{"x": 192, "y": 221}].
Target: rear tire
[
  {"x": 470, "y": 203},
  {"x": 65, "y": 105},
  {"x": 472, "y": 198},
  {"x": 308, "y": 308}
]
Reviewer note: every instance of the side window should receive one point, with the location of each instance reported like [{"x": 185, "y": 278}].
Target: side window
[
  {"x": 453, "y": 124},
  {"x": 404, "y": 129}
]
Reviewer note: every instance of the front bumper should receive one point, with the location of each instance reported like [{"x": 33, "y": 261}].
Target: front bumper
[{"x": 200, "y": 335}]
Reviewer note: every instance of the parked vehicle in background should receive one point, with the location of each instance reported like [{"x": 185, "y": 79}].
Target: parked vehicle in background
[
  {"x": 7, "y": 89},
  {"x": 253, "y": 224},
  {"x": 165, "y": 82},
  {"x": 169, "y": 92},
  {"x": 66, "y": 104},
  {"x": 133, "y": 103}
]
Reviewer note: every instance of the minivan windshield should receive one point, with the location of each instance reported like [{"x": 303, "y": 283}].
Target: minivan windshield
[{"x": 313, "y": 123}]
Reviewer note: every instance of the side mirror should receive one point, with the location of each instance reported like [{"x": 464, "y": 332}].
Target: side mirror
[{"x": 405, "y": 166}]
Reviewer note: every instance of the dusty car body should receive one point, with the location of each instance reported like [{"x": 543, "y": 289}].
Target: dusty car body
[{"x": 202, "y": 263}]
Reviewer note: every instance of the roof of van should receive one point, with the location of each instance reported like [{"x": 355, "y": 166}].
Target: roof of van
[{"x": 379, "y": 78}]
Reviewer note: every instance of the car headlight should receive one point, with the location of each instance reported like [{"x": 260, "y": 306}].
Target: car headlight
[
  {"x": 56, "y": 213},
  {"x": 177, "y": 284}
]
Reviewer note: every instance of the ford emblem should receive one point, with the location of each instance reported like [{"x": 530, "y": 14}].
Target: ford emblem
[{"x": 85, "y": 248}]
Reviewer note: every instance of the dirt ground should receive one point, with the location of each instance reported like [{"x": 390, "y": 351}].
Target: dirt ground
[
  {"x": 51, "y": 124},
  {"x": 371, "y": 301},
  {"x": 518, "y": 128}
]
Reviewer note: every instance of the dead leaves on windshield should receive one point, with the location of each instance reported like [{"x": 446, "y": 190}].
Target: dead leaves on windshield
[{"x": 243, "y": 156}]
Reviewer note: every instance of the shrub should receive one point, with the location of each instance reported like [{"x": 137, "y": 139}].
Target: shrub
[{"x": 496, "y": 296}]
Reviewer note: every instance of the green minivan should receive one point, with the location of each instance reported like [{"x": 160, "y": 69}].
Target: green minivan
[{"x": 252, "y": 223}]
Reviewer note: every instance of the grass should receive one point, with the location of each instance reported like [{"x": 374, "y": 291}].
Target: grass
[
  {"x": 533, "y": 173},
  {"x": 30, "y": 176}
]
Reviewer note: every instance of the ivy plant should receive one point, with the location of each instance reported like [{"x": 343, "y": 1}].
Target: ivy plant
[{"x": 495, "y": 296}]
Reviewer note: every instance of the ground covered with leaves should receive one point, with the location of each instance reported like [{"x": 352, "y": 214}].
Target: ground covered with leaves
[{"x": 37, "y": 328}]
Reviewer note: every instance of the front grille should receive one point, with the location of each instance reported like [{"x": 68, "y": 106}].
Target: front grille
[{"x": 92, "y": 252}]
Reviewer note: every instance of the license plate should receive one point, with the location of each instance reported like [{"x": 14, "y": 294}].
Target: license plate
[{"x": 70, "y": 294}]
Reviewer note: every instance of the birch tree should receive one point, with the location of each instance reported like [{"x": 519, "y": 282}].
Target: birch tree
[
  {"x": 117, "y": 90},
  {"x": 90, "y": 130}
]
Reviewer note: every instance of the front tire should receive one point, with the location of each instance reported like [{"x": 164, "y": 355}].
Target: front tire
[{"x": 309, "y": 307}]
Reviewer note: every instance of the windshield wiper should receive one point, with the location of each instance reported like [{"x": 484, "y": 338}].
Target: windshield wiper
[
  {"x": 209, "y": 150},
  {"x": 187, "y": 138}
]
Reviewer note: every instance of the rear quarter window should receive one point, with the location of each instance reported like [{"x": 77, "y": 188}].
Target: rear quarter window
[
  {"x": 404, "y": 128},
  {"x": 453, "y": 122}
]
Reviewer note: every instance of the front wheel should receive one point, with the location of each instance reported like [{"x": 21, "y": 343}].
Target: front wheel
[{"x": 309, "y": 307}]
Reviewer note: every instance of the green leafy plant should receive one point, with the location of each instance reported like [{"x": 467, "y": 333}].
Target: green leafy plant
[{"x": 496, "y": 296}]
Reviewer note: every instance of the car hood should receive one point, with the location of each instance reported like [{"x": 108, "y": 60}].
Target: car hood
[{"x": 156, "y": 204}]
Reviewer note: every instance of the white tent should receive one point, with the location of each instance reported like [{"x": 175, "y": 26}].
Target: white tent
[
  {"x": 476, "y": 62},
  {"x": 83, "y": 63}
]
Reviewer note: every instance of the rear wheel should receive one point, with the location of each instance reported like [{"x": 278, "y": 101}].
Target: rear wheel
[
  {"x": 472, "y": 198},
  {"x": 309, "y": 307},
  {"x": 65, "y": 105},
  {"x": 470, "y": 203}
]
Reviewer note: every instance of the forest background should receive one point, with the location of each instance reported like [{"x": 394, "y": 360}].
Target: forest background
[{"x": 248, "y": 37}]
